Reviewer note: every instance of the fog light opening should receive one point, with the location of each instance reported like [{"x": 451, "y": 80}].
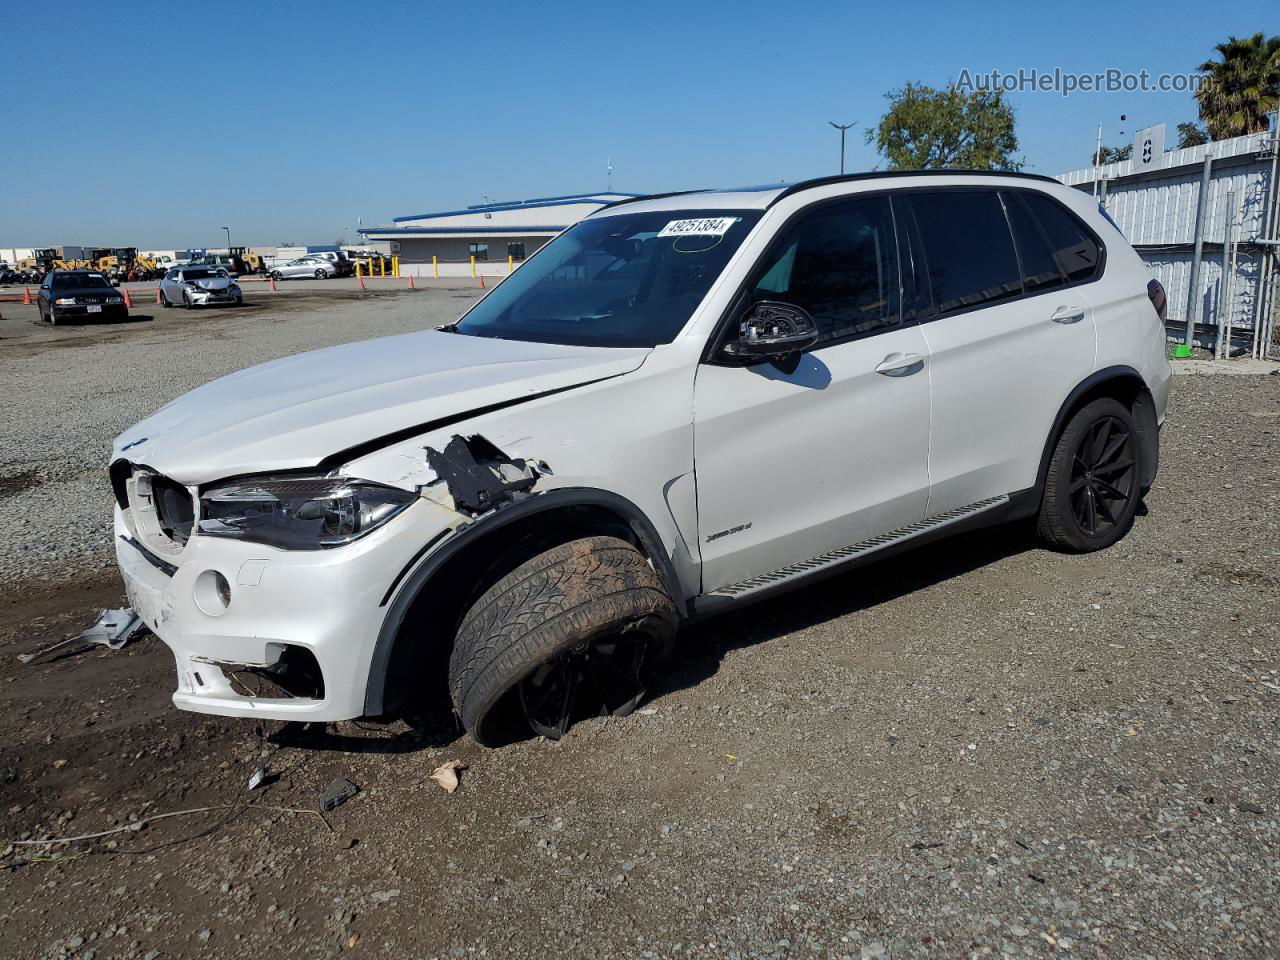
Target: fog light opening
[{"x": 212, "y": 593}]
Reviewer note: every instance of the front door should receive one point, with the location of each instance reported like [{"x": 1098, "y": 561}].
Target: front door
[{"x": 797, "y": 459}]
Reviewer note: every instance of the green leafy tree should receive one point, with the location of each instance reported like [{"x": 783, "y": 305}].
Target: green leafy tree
[
  {"x": 928, "y": 129},
  {"x": 1111, "y": 154},
  {"x": 1191, "y": 135},
  {"x": 1241, "y": 88}
]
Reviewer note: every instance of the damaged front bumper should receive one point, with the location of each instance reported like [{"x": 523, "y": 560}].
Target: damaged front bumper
[{"x": 280, "y": 606}]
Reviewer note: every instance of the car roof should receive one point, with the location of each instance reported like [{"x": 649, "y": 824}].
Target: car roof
[{"x": 764, "y": 196}]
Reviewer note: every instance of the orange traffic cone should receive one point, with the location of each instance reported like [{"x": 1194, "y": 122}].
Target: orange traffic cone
[
  {"x": 158, "y": 295},
  {"x": 272, "y": 278},
  {"x": 128, "y": 301},
  {"x": 482, "y": 281},
  {"x": 26, "y": 296},
  {"x": 411, "y": 286},
  {"x": 361, "y": 279}
]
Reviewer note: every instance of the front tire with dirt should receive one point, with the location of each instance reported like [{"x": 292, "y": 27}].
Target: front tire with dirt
[{"x": 568, "y": 634}]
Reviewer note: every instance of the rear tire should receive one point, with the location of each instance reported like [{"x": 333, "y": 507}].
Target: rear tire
[
  {"x": 1093, "y": 484},
  {"x": 164, "y": 301},
  {"x": 565, "y": 635}
]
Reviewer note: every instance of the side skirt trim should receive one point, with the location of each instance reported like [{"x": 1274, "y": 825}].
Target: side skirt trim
[{"x": 833, "y": 558}]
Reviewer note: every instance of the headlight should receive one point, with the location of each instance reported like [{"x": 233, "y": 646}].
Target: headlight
[
  {"x": 65, "y": 300},
  {"x": 299, "y": 513},
  {"x": 115, "y": 299}
]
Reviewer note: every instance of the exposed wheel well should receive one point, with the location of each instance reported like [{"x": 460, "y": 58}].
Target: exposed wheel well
[
  {"x": 1126, "y": 385},
  {"x": 415, "y": 670}
]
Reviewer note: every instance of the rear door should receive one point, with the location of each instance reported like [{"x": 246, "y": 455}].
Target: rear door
[
  {"x": 1009, "y": 336},
  {"x": 795, "y": 459}
]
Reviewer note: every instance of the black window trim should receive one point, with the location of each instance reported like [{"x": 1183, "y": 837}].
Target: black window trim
[{"x": 711, "y": 353}]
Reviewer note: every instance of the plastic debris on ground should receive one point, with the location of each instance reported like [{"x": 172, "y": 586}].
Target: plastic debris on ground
[
  {"x": 447, "y": 775},
  {"x": 113, "y": 629},
  {"x": 337, "y": 793}
]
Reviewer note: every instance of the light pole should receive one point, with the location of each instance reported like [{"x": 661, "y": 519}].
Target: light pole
[
  {"x": 842, "y": 127},
  {"x": 228, "y": 229}
]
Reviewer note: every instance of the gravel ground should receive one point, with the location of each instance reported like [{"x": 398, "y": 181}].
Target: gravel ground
[
  {"x": 71, "y": 390},
  {"x": 982, "y": 749}
]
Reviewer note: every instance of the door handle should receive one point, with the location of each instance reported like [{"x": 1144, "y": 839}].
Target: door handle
[
  {"x": 900, "y": 364},
  {"x": 1067, "y": 315}
]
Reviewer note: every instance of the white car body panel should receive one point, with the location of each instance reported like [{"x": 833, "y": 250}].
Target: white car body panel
[
  {"x": 828, "y": 456},
  {"x": 295, "y": 411},
  {"x": 792, "y": 465},
  {"x": 981, "y": 442}
]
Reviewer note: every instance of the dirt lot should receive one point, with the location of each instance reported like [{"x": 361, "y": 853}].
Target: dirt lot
[{"x": 982, "y": 749}]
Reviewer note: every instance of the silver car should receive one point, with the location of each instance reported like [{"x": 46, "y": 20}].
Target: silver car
[
  {"x": 317, "y": 267},
  {"x": 198, "y": 286}
]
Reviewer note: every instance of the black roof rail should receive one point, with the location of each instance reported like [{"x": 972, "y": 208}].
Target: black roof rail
[
  {"x": 651, "y": 196},
  {"x": 884, "y": 174}
]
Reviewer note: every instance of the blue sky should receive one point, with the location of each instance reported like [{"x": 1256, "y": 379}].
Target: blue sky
[{"x": 153, "y": 125}]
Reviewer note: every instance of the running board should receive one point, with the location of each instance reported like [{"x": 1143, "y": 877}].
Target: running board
[{"x": 805, "y": 567}]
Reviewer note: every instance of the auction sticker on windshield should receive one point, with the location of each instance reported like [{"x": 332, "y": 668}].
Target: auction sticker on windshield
[{"x": 704, "y": 227}]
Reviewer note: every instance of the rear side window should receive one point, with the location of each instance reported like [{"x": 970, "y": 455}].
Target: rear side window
[
  {"x": 1076, "y": 252},
  {"x": 1039, "y": 268},
  {"x": 840, "y": 263},
  {"x": 968, "y": 252}
]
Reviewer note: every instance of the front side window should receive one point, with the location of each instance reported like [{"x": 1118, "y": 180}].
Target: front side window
[
  {"x": 839, "y": 262},
  {"x": 480, "y": 251},
  {"x": 968, "y": 251},
  {"x": 623, "y": 280},
  {"x": 1077, "y": 253}
]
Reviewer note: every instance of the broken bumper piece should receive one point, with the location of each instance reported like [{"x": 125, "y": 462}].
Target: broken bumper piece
[{"x": 226, "y": 608}]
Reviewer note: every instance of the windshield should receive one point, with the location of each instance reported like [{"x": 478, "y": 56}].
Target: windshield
[
  {"x": 197, "y": 274},
  {"x": 628, "y": 280},
  {"x": 79, "y": 281}
]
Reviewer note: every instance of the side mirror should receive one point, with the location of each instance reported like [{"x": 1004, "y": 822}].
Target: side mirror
[{"x": 771, "y": 329}]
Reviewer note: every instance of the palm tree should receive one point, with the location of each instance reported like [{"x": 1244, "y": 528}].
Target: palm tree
[{"x": 1242, "y": 88}]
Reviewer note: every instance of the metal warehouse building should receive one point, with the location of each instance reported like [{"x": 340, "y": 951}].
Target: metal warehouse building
[
  {"x": 1219, "y": 198},
  {"x": 497, "y": 235}
]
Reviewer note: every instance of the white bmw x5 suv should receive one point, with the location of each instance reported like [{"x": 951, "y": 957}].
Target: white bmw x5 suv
[{"x": 680, "y": 404}]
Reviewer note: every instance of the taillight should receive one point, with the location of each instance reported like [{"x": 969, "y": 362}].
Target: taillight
[{"x": 1158, "y": 299}]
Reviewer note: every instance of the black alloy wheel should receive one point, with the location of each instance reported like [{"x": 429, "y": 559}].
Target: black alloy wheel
[{"x": 1103, "y": 476}]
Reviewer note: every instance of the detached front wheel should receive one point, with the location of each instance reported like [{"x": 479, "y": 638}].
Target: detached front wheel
[{"x": 567, "y": 635}]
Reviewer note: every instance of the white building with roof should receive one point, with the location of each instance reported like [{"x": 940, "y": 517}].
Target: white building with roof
[{"x": 494, "y": 233}]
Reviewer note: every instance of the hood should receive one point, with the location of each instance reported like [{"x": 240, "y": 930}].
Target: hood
[
  {"x": 214, "y": 283},
  {"x": 294, "y": 412}
]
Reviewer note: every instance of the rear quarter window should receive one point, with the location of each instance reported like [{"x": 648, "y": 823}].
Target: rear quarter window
[{"x": 1077, "y": 253}]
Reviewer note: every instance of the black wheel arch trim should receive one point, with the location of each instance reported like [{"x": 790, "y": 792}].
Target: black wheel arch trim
[
  {"x": 1150, "y": 444},
  {"x": 418, "y": 573}
]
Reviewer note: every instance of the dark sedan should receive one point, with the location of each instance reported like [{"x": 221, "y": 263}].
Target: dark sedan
[{"x": 79, "y": 295}]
